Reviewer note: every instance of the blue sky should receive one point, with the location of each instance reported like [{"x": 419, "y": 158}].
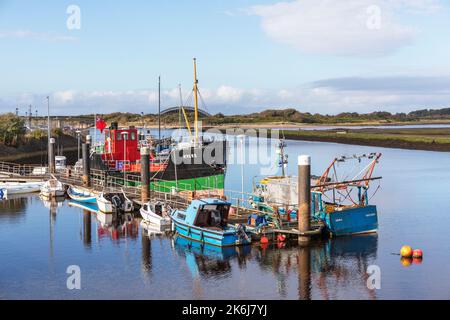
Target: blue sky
[{"x": 314, "y": 55}]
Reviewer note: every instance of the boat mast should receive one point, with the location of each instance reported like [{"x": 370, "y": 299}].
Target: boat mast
[
  {"x": 195, "y": 101},
  {"x": 159, "y": 108},
  {"x": 181, "y": 106}
]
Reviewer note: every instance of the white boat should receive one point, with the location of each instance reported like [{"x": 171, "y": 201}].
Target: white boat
[
  {"x": 53, "y": 189},
  {"x": 109, "y": 202},
  {"x": 12, "y": 188},
  {"x": 158, "y": 214}
]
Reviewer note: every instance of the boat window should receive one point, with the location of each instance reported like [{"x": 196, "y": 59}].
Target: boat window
[
  {"x": 215, "y": 216},
  {"x": 145, "y": 207},
  {"x": 133, "y": 136},
  {"x": 119, "y": 136}
]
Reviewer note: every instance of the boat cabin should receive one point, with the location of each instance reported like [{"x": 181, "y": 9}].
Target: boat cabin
[
  {"x": 208, "y": 213},
  {"x": 60, "y": 163},
  {"x": 121, "y": 144}
]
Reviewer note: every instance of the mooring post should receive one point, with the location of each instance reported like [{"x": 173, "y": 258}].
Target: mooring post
[
  {"x": 145, "y": 175},
  {"x": 86, "y": 163},
  {"x": 51, "y": 155},
  {"x": 304, "y": 196}
]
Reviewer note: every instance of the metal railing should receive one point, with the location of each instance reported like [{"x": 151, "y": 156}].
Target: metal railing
[{"x": 19, "y": 170}]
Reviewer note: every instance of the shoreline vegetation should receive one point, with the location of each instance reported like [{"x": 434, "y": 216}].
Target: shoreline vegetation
[
  {"x": 427, "y": 139},
  {"x": 18, "y": 145}
]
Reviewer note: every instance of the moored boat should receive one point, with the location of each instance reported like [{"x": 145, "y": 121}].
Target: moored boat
[
  {"x": 53, "y": 189},
  {"x": 81, "y": 195},
  {"x": 206, "y": 221},
  {"x": 334, "y": 203},
  {"x": 157, "y": 213},
  {"x": 110, "y": 202}
]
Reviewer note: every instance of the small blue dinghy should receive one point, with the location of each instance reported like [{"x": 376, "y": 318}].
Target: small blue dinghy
[
  {"x": 206, "y": 221},
  {"x": 81, "y": 195}
]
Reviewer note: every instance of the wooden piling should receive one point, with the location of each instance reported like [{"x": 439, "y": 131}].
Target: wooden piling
[
  {"x": 86, "y": 163},
  {"x": 145, "y": 175},
  {"x": 304, "y": 196},
  {"x": 51, "y": 155}
]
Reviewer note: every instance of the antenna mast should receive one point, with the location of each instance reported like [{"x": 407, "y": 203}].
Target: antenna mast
[
  {"x": 195, "y": 101},
  {"x": 159, "y": 107}
]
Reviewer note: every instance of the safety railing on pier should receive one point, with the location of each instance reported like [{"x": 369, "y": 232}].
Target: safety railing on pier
[
  {"x": 19, "y": 170},
  {"x": 175, "y": 194}
]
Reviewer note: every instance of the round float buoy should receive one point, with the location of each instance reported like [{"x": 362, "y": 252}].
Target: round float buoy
[
  {"x": 264, "y": 240},
  {"x": 281, "y": 238},
  {"x": 417, "y": 254},
  {"x": 417, "y": 261},
  {"x": 406, "y": 252}
]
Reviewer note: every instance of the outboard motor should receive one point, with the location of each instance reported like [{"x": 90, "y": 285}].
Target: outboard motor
[{"x": 117, "y": 202}]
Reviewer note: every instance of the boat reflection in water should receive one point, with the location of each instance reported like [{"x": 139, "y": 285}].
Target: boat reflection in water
[
  {"x": 113, "y": 226},
  {"x": 207, "y": 261},
  {"x": 324, "y": 269}
]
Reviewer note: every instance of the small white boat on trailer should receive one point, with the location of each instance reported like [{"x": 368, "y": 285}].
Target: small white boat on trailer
[
  {"x": 53, "y": 189},
  {"x": 110, "y": 202},
  {"x": 158, "y": 214}
]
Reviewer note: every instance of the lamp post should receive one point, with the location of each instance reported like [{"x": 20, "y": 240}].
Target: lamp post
[
  {"x": 48, "y": 119},
  {"x": 78, "y": 132},
  {"x": 124, "y": 137},
  {"x": 242, "y": 140}
]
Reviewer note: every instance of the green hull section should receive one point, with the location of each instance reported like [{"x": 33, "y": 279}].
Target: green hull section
[{"x": 194, "y": 184}]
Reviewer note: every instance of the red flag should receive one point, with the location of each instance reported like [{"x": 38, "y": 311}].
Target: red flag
[{"x": 101, "y": 124}]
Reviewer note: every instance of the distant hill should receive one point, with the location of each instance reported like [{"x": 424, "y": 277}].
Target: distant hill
[{"x": 289, "y": 115}]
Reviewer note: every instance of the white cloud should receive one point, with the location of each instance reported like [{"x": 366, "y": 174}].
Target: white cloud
[
  {"x": 332, "y": 96},
  {"x": 350, "y": 27},
  {"x": 43, "y": 36}
]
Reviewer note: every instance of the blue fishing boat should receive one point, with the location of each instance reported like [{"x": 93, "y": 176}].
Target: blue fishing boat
[
  {"x": 345, "y": 220},
  {"x": 206, "y": 221},
  {"x": 334, "y": 203},
  {"x": 81, "y": 195}
]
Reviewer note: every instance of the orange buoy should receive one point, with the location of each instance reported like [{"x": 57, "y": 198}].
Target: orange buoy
[
  {"x": 406, "y": 252},
  {"x": 417, "y": 254},
  {"x": 264, "y": 240},
  {"x": 406, "y": 262}
]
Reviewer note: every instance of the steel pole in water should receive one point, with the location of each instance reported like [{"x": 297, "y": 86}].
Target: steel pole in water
[
  {"x": 304, "y": 196},
  {"x": 145, "y": 175},
  {"x": 86, "y": 163},
  {"x": 51, "y": 155}
]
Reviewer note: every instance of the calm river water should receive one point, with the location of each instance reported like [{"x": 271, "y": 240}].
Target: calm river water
[{"x": 38, "y": 241}]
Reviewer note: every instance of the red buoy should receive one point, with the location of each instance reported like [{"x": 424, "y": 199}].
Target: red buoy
[
  {"x": 281, "y": 238},
  {"x": 264, "y": 240},
  {"x": 417, "y": 254}
]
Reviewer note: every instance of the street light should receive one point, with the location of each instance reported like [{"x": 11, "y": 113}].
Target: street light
[{"x": 242, "y": 139}]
